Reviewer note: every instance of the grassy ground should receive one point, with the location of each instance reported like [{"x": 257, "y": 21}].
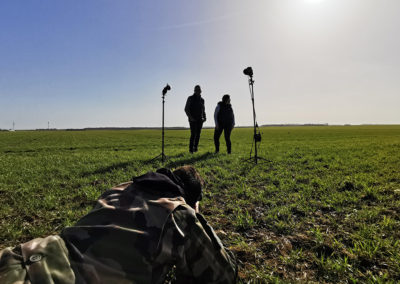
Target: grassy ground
[{"x": 324, "y": 207}]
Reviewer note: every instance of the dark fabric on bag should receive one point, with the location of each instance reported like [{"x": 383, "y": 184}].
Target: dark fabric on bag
[{"x": 162, "y": 182}]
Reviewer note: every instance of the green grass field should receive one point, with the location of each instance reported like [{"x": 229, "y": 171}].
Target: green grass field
[{"x": 324, "y": 207}]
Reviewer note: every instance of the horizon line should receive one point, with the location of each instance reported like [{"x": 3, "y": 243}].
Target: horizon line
[{"x": 185, "y": 127}]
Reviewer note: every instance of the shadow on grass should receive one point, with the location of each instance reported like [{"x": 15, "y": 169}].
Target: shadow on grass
[
  {"x": 248, "y": 164},
  {"x": 125, "y": 165},
  {"x": 104, "y": 170},
  {"x": 154, "y": 161},
  {"x": 190, "y": 160},
  {"x": 157, "y": 162}
]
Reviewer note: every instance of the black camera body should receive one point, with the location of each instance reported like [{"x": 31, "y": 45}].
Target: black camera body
[
  {"x": 248, "y": 71},
  {"x": 257, "y": 137}
]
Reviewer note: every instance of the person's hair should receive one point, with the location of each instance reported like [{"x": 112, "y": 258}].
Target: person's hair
[
  {"x": 192, "y": 184},
  {"x": 225, "y": 98}
]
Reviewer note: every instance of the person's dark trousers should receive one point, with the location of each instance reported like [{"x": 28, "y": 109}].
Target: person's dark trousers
[
  {"x": 195, "y": 130},
  {"x": 227, "y": 133}
]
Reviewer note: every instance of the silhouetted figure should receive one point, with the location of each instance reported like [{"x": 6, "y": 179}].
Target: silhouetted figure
[
  {"x": 224, "y": 121},
  {"x": 196, "y": 113}
]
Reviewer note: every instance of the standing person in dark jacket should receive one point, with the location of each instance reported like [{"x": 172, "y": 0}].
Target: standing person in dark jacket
[
  {"x": 196, "y": 113},
  {"x": 224, "y": 121}
]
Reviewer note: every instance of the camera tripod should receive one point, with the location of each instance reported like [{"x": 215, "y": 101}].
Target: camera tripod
[
  {"x": 162, "y": 155},
  {"x": 256, "y": 135}
]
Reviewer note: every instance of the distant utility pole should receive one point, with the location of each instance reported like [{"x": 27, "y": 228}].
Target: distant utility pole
[
  {"x": 48, "y": 125},
  {"x": 13, "y": 125}
]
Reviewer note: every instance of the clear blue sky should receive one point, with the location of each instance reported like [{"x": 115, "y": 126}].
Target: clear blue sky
[{"x": 94, "y": 63}]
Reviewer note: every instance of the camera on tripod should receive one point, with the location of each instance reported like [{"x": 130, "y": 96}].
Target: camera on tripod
[
  {"x": 256, "y": 134},
  {"x": 162, "y": 155}
]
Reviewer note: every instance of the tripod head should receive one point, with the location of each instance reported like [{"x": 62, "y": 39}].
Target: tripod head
[
  {"x": 166, "y": 89},
  {"x": 248, "y": 71}
]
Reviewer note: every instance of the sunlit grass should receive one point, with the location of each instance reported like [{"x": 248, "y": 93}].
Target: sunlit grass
[{"x": 323, "y": 207}]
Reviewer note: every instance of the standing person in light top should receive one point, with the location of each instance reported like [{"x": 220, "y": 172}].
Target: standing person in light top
[
  {"x": 195, "y": 111},
  {"x": 224, "y": 121}
]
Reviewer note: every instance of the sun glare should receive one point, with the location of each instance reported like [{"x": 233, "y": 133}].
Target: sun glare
[{"x": 313, "y": 1}]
